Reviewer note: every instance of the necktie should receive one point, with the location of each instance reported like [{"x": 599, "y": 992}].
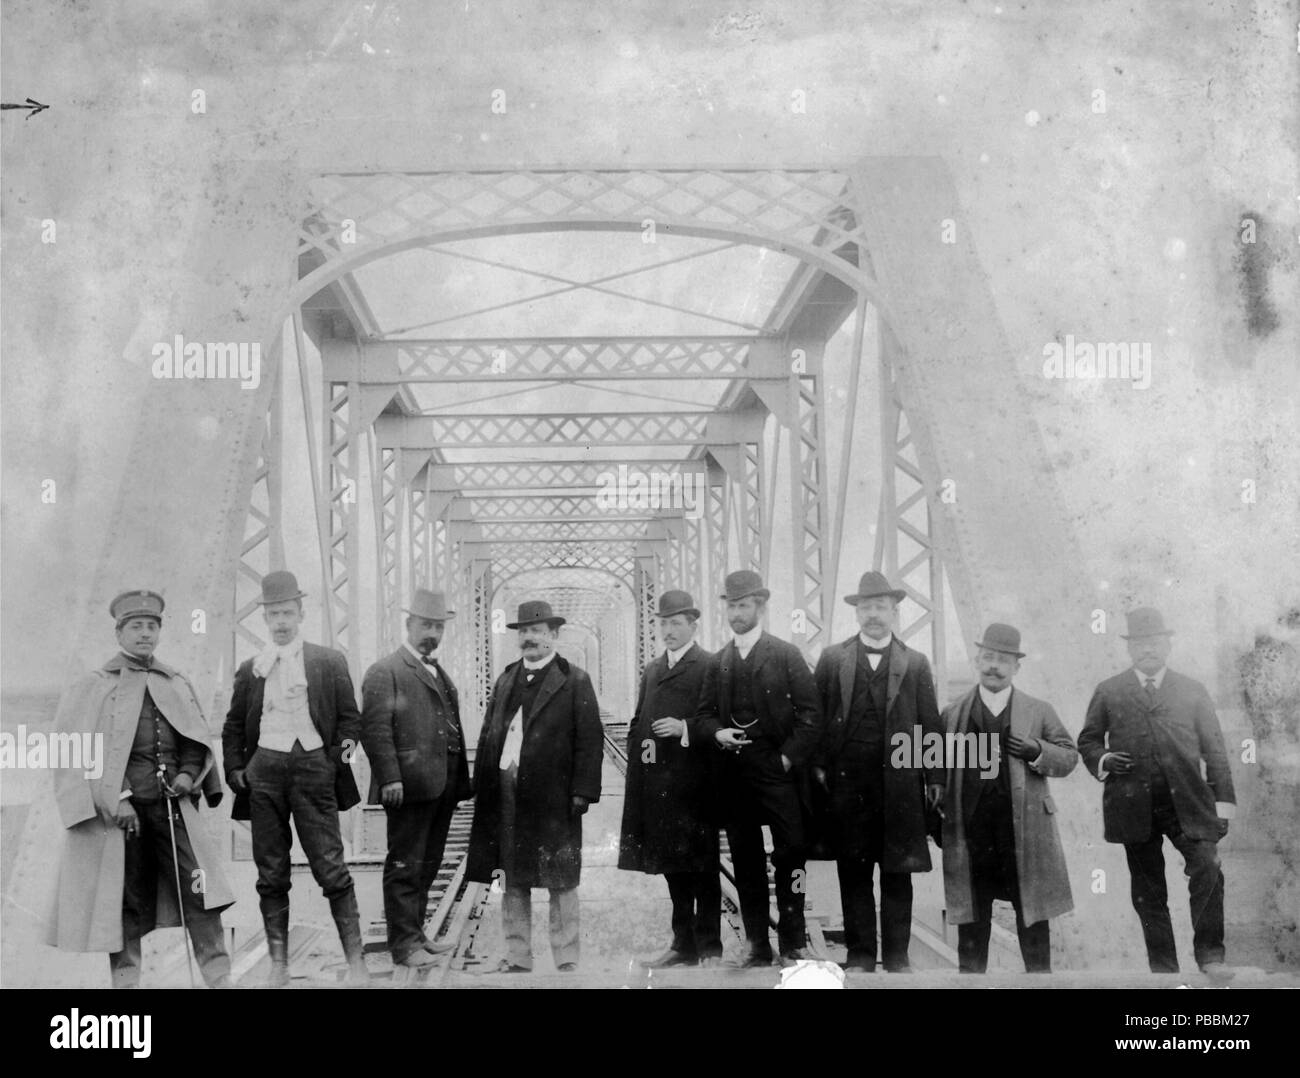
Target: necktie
[{"x": 1151, "y": 689}]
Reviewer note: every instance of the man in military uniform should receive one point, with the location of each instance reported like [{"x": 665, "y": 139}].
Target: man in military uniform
[
  {"x": 668, "y": 824},
  {"x": 134, "y": 839}
]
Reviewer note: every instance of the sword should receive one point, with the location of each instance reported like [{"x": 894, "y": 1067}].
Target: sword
[{"x": 176, "y": 868}]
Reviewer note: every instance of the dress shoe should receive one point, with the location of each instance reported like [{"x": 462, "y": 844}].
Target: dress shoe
[
  {"x": 439, "y": 947},
  {"x": 417, "y": 959},
  {"x": 670, "y": 958},
  {"x": 567, "y": 967},
  {"x": 502, "y": 966},
  {"x": 799, "y": 954},
  {"x": 710, "y": 961},
  {"x": 1220, "y": 971},
  {"x": 898, "y": 969},
  {"x": 753, "y": 960}
]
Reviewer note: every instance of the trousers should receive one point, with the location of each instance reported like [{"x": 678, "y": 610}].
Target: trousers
[
  {"x": 1150, "y": 894},
  {"x": 298, "y": 785},
  {"x": 148, "y": 864}
]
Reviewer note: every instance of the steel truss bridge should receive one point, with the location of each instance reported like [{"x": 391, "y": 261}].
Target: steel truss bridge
[{"x": 492, "y": 505}]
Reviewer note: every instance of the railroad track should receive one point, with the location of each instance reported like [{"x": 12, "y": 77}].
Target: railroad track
[{"x": 929, "y": 950}]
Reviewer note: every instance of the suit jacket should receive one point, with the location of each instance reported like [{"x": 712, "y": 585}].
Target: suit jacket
[
  {"x": 405, "y": 714},
  {"x": 909, "y": 702},
  {"x": 785, "y": 697},
  {"x": 1179, "y": 734},
  {"x": 333, "y": 706},
  {"x": 667, "y": 812},
  {"x": 561, "y": 756},
  {"x": 1040, "y": 862}
]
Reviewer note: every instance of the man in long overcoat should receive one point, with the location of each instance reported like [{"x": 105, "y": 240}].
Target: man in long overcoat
[
  {"x": 411, "y": 729},
  {"x": 874, "y": 689},
  {"x": 536, "y": 771},
  {"x": 999, "y": 831},
  {"x": 668, "y": 820},
  {"x": 1148, "y": 733},
  {"x": 759, "y": 705},
  {"x": 117, "y": 873}
]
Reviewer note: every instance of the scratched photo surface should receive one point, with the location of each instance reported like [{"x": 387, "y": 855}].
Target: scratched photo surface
[{"x": 663, "y": 462}]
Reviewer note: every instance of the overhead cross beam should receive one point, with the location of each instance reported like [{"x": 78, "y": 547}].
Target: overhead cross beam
[{"x": 551, "y": 359}]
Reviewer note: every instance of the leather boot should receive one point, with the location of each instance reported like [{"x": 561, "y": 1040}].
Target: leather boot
[
  {"x": 347, "y": 918},
  {"x": 275, "y": 922}
]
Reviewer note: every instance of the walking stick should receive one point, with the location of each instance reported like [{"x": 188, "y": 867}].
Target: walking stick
[{"x": 176, "y": 869}]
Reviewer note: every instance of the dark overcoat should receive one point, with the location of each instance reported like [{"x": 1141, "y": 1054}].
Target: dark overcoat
[
  {"x": 1178, "y": 734},
  {"x": 561, "y": 757},
  {"x": 406, "y": 711},
  {"x": 668, "y": 820},
  {"x": 909, "y": 702},
  {"x": 1040, "y": 862},
  {"x": 333, "y": 706}
]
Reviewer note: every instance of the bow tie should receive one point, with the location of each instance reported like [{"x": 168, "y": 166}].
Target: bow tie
[
  {"x": 428, "y": 660},
  {"x": 874, "y": 651},
  {"x": 142, "y": 663}
]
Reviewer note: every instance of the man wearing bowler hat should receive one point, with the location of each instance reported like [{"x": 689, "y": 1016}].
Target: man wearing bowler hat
[
  {"x": 759, "y": 705},
  {"x": 873, "y": 687},
  {"x": 1148, "y": 733},
  {"x": 999, "y": 829},
  {"x": 411, "y": 730},
  {"x": 289, "y": 737},
  {"x": 131, "y": 810},
  {"x": 668, "y": 824},
  {"x": 536, "y": 770}
]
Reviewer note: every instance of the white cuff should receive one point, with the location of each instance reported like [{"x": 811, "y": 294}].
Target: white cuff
[
  {"x": 1101, "y": 766},
  {"x": 124, "y": 794},
  {"x": 1225, "y": 810},
  {"x": 686, "y": 734},
  {"x": 1037, "y": 760}
]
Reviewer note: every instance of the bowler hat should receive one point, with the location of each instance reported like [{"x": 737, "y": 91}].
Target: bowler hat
[
  {"x": 534, "y": 611},
  {"x": 429, "y": 604},
  {"x": 1145, "y": 621},
  {"x": 280, "y": 586},
  {"x": 743, "y": 583},
  {"x": 676, "y": 602},
  {"x": 1004, "y": 638},
  {"x": 136, "y": 604},
  {"x": 872, "y": 585}
]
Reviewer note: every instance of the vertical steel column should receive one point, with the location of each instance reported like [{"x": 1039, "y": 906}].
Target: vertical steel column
[
  {"x": 482, "y": 586},
  {"x": 808, "y": 515},
  {"x": 644, "y": 581},
  {"x": 716, "y": 520},
  {"x": 387, "y": 500},
  {"x": 343, "y": 449}
]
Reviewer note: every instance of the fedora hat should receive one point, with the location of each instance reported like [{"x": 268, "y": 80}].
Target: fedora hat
[
  {"x": 534, "y": 611},
  {"x": 676, "y": 602},
  {"x": 743, "y": 583},
  {"x": 429, "y": 604},
  {"x": 872, "y": 585},
  {"x": 1004, "y": 638},
  {"x": 280, "y": 587},
  {"x": 136, "y": 604},
  {"x": 1145, "y": 621}
]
